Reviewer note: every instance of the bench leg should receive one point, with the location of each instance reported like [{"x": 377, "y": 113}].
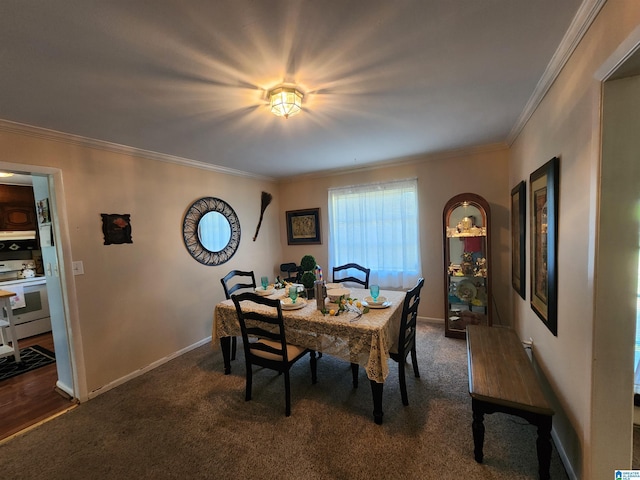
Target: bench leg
[
  {"x": 478, "y": 429},
  {"x": 544, "y": 447}
]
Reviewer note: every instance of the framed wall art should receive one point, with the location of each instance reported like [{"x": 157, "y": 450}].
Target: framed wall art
[
  {"x": 303, "y": 227},
  {"x": 518, "y": 238},
  {"x": 116, "y": 228},
  {"x": 544, "y": 187}
]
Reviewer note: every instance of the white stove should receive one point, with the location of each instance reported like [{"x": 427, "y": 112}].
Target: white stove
[
  {"x": 11, "y": 270},
  {"x": 31, "y": 304}
]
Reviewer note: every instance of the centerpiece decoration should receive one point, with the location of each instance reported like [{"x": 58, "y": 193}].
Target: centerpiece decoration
[
  {"x": 308, "y": 264},
  {"x": 346, "y": 304}
]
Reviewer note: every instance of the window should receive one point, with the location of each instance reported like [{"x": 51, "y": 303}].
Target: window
[{"x": 376, "y": 226}]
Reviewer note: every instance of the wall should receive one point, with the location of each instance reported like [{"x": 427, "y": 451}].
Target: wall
[
  {"x": 483, "y": 171},
  {"x": 593, "y": 417},
  {"x": 139, "y": 303}
]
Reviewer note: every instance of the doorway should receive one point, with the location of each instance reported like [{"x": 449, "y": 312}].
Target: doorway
[
  {"x": 36, "y": 397},
  {"x": 619, "y": 242}
]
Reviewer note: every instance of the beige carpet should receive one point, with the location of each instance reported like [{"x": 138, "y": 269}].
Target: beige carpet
[{"x": 187, "y": 420}]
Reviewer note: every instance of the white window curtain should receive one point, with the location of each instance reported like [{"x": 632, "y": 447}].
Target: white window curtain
[{"x": 376, "y": 226}]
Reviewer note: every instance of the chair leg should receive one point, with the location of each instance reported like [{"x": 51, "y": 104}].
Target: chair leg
[
  {"x": 247, "y": 395},
  {"x": 233, "y": 347},
  {"x": 354, "y": 374},
  {"x": 403, "y": 383},
  {"x": 414, "y": 361},
  {"x": 287, "y": 393},
  {"x": 314, "y": 367}
]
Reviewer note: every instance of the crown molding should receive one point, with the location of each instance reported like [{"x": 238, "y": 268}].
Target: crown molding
[
  {"x": 70, "y": 139},
  {"x": 585, "y": 16}
]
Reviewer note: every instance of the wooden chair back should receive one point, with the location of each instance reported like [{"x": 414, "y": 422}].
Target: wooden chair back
[
  {"x": 407, "y": 335},
  {"x": 291, "y": 271},
  {"x": 237, "y": 280},
  {"x": 265, "y": 343},
  {"x": 362, "y": 278}
]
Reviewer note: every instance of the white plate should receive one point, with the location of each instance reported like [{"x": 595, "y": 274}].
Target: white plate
[
  {"x": 466, "y": 291},
  {"x": 381, "y": 300},
  {"x": 333, "y": 286},
  {"x": 262, "y": 292},
  {"x": 287, "y": 304},
  {"x": 376, "y": 305},
  {"x": 335, "y": 293}
]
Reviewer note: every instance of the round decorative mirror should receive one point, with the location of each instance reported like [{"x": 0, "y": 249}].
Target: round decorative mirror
[{"x": 211, "y": 231}]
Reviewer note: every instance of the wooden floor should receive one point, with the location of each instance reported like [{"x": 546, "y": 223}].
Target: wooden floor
[{"x": 30, "y": 398}]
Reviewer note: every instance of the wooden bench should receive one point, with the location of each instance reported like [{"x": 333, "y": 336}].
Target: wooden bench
[{"x": 502, "y": 379}]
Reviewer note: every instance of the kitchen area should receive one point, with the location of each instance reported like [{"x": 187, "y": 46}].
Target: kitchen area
[
  {"x": 25, "y": 237},
  {"x": 21, "y": 267}
]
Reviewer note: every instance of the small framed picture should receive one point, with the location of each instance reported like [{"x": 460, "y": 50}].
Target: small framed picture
[
  {"x": 303, "y": 227},
  {"x": 518, "y": 237},
  {"x": 116, "y": 228}
]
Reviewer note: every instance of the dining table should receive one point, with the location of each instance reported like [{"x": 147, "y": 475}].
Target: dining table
[{"x": 359, "y": 338}]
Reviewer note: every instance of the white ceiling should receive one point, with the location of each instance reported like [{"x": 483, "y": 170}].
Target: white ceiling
[{"x": 383, "y": 79}]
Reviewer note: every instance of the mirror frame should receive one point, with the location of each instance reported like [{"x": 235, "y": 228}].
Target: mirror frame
[{"x": 192, "y": 218}]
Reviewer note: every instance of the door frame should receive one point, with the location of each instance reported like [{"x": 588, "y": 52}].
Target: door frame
[{"x": 59, "y": 221}]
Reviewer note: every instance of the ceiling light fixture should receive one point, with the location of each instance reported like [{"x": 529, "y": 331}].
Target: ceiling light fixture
[
  {"x": 6, "y": 174},
  {"x": 285, "y": 101}
]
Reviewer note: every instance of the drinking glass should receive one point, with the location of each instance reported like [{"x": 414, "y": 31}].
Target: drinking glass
[
  {"x": 293, "y": 294},
  {"x": 375, "y": 291},
  {"x": 264, "y": 281}
]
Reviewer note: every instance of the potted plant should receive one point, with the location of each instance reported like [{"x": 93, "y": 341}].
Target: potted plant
[{"x": 308, "y": 265}]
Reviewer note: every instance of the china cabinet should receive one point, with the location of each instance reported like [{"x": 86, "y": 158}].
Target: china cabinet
[{"x": 467, "y": 263}]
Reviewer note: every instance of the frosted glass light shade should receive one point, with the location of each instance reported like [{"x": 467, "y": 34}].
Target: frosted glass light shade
[{"x": 285, "y": 101}]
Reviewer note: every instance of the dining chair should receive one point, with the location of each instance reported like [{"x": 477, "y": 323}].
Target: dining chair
[
  {"x": 343, "y": 275},
  {"x": 265, "y": 342},
  {"x": 232, "y": 282},
  {"x": 343, "y": 270},
  {"x": 407, "y": 337},
  {"x": 291, "y": 270}
]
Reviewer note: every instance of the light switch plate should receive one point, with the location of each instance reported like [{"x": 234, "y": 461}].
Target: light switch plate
[{"x": 78, "y": 268}]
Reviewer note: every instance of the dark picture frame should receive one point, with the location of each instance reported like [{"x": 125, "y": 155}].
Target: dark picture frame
[
  {"x": 518, "y": 238},
  {"x": 303, "y": 227},
  {"x": 116, "y": 228},
  {"x": 544, "y": 201}
]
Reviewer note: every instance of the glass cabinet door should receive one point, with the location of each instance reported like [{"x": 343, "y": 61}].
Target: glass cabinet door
[{"x": 467, "y": 268}]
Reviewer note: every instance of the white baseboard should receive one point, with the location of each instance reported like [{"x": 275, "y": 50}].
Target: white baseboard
[
  {"x": 431, "y": 320},
  {"x": 65, "y": 388},
  {"x": 563, "y": 456},
  {"x": 148, "y": 368}
]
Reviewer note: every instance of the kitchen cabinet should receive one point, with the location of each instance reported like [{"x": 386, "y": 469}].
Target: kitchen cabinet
[
  {"x": 467, "y": 263},
  {"x": 17, "y": 208}
]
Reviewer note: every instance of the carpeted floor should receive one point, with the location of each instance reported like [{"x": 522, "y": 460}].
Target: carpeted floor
[
  {"x": 30, "y": 358},
  {"x": 187, "y": 420}
]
